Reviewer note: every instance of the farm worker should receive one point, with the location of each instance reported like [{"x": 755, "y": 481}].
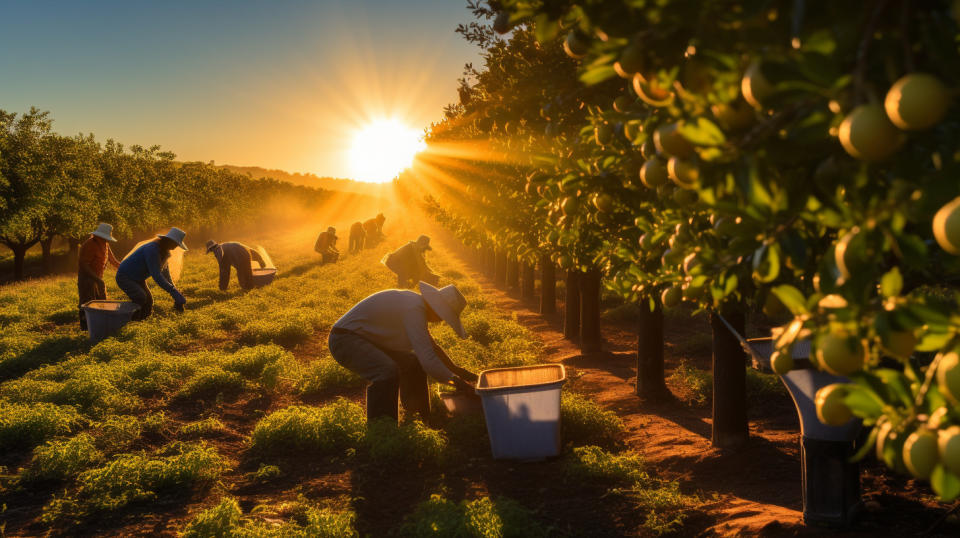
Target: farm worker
[
  {"x": 384, "y": 339},
  {"x": 232, "y": 254},
  {"x": 326, "y": 245},
  {"x": 357, "y": 235},
  {"x": 374, "y": 229},
  {"x": 95, "y": 253},
  {"x": 409, "y": 265},
  {"x": 150, "y": 260}
]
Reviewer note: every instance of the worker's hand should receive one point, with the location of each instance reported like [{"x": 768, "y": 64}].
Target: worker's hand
[
  {"x": 463, "y": 386},
  {"x": 179, "y": 306}
]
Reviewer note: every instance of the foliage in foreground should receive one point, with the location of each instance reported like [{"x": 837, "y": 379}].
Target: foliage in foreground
[
  {"x": 304, "y": 520},
  {"x": 326, "y": 430},
  {"x": 586, "y": 422},
  {"x": 480, "y": 518}
]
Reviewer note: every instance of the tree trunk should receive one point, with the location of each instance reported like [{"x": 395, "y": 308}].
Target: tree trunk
[
  {"x": 590, "y": 338},
  {"x": 571, "y": 307},
  {"x": 513, "y": 273},
  {"x": 19, "y": 253},
  {"x": 45, "y": 246},
  {"x": 548, "y": 286},
  {"x": 528, "y": 278},
  {"x": 500, "y": 272},
  {"x": 650, "y": 383},
  {"x": 729, "y": 381}
]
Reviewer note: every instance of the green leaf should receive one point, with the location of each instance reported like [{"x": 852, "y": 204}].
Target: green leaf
[
  {"x": 891, "y": 284},
  {"x": 766, "y": 263},
  {"x": 945, "y": 483},
  {"x": 544, "y": 28},
  {"x": 868, "y": 445},
  {"x": 864, "y": 402},
  {"x": 597, "y": 74},
  {"x": 702, "y": 132},
  {"x": 791, "y": 298}
]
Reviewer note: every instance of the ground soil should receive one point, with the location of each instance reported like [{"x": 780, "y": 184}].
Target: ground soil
[{"x": 752, "y": 490}]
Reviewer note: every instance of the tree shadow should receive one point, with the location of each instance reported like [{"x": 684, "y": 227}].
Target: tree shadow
[{"x": 48, "y": 351}]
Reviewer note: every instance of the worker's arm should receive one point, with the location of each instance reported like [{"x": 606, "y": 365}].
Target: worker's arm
[
  {"x": 423, "y": 347},
  {"x": 153, "y": 265},
  {"x": 462, "y": 372},
  {"x": 111, "y": 258}
]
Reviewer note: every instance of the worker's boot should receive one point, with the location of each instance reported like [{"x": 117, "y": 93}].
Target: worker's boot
[
  {"x": 382, "y": 399},
  {"x": 415, "y": 392}
]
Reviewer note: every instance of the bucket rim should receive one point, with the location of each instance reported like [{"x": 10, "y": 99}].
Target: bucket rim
[
  {"x": 560, "y": 381},
  {"x": 126, "y": 307}
]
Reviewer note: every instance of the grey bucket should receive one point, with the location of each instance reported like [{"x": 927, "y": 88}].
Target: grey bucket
[
  {"x": 522, "y": 410},
  {"x": 105, "y": 318}
]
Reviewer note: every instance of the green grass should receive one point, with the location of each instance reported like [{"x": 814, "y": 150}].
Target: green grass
[
  {"x": 585, "y": 422},
  {"x": 226, "y": 519},
  {"x": 412, "y": 443},
  {"x": 479, "y": 518},
  {"x": 592, "y": 464},
  {"x": 326, "y": 430},
  {"x": 58, "y": 460},
  {"x": 698, "y": 385},
  {"x": 24, "y": 426},
  {"x": 201, "y": 428}
]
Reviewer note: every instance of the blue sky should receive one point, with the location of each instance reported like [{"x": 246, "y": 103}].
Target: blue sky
[{"x": 280, "y": 84}]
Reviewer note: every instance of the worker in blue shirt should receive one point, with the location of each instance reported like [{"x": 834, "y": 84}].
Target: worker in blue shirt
[{"x": 150, "y": 260}]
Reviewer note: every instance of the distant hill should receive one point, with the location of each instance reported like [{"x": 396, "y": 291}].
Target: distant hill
[{"x": 309, "y": 180}]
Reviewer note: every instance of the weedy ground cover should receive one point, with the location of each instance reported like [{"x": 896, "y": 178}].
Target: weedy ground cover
[{"x": 241, "y": 391}]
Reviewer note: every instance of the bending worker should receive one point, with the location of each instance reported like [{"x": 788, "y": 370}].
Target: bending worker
[
  {"x": 95, "y": 253},
  {"x": 326, "y": 245},
  {"x": 357, "y": 236},
  {"x": 409, "y": 265},
  {"x": 233, "y": 254},
  {"x": 384, "y": 339},
  {"x": 150, "y": 260}
]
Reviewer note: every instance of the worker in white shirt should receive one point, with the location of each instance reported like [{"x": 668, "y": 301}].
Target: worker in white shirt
[{"x": 384, "y": 339}]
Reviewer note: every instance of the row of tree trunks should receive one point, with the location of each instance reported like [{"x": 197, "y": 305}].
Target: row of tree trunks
[
  {"x": 548, "y": 286},
  {"x": 528, "y": 280}
]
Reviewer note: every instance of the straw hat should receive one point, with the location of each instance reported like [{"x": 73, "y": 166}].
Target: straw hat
[
  {"x": 447, "y": 302},
  {"x": 104, "y": 231},
  {"x": 211, "y": 244},
  {"x": 176, "y": 235},
  {"x": 424, "y": 243}
]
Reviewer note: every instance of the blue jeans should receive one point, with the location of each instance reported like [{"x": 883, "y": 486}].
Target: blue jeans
[
  {"x": 139, "y": 293},
  {"x": 390, "y": 373}
]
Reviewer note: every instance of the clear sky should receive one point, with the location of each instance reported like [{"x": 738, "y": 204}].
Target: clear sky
[{"x": 280, "y": 84}]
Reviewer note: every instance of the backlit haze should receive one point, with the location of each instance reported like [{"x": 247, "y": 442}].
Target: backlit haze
[{"x": 299, "y": 86}]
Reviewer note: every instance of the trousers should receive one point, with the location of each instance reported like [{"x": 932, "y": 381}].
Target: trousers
[{"x": 139, "y": 293}]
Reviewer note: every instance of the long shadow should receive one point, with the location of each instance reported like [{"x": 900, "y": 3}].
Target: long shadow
[
  {"x": 380, "y": 506},
  {"x": 299, "y": 269},
  {"x": 48, "y": 351}
]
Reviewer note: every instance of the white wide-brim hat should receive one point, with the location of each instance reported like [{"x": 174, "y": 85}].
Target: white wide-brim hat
[
  {"x": 104, "y": 231},
  {"x": 176, "y": 235},
  {"x": 447, "y": 302}
]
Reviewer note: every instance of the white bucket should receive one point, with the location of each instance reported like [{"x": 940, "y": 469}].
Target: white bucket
[
  {"x": 522, "y": 409},
  {"x": 105, "y": 318}
]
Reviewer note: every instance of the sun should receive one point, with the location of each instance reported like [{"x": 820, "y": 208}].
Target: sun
[{"x": 382, "y": 149}]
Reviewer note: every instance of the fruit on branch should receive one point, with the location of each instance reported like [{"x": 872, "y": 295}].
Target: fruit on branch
[
  {"x": 603, "y": 133},
  {"x": 867, "y": 134},
  {"x": 671, "y": 296},
  {"x": 831, "y": 409},
  {"x": 685, "y": 174},
  {"x": 754, "y": 86},
  {"x": 569, "y": 205},
  {"x": 630, "y": 61},
  {"x": 670, "y": 143},
  {"x": 501, "y": 24},
  {"x": 840, "y": 353},
  {"x": 734, "y": 116},
  {"x": 603, "y": 202},
  {"x": 946, "y": 226},
  {"x": 781, "y": 362},
  {"x": 917, "y": 101},
  {"x": 920, "y": 453},
  {"x": 949, "y": 444},
  {"x": 576, "y": 45},
  {"x": 899, "y": 344},
  {"x": 653, "y": 173},
  {"x": 651, "y": 92},
  {"x": 623, "y": 103},
  {"x": 948, "y": 377}
]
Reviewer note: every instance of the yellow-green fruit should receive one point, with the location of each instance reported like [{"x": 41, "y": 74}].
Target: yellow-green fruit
[
  {"x": 948, "y": 377},
  {"x": 781, "y": 363},
  {"x": 602, "y": 133},
  {"x": 685, "y": 174},
  {"x": 899, "y": 344},
  {"x": 690, "y": 263},
  {"x": 604, "y": 203},
  {"x": 671, "y": 143},
  {"x": 648, "y": 150},
  {"x": 840, "y": 353},
  {"x": 917, "y": 101},
  {"x": 948, "y": 442},
  {"x": 671, "y": 296},
  {"x": 622, "y": 103},
  {"x": 831, "y": 409},
  {"x": 653, "y": 173},
  {"x": 652, "y": 93},
  {"x": 754, "y": 86},
  {"x": 840, "y": 254},
  {"x": 569, "y": 205},
  {"x": 946, "y": 227},
  {"x": 630, "y": 61},
  {"x": 867, "y": 134},
  {"x": 921, "y": 454},
  {"x": 575, "y": 45}
]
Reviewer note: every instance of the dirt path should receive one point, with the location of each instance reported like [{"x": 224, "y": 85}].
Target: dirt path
[{"x": 755, "y": 490}]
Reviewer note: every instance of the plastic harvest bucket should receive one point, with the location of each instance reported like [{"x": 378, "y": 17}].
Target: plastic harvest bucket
[
  {"x": 522, "y": 409},
  {"x": 262, "y": 277},
  {"x": 105, "y": 318}
]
